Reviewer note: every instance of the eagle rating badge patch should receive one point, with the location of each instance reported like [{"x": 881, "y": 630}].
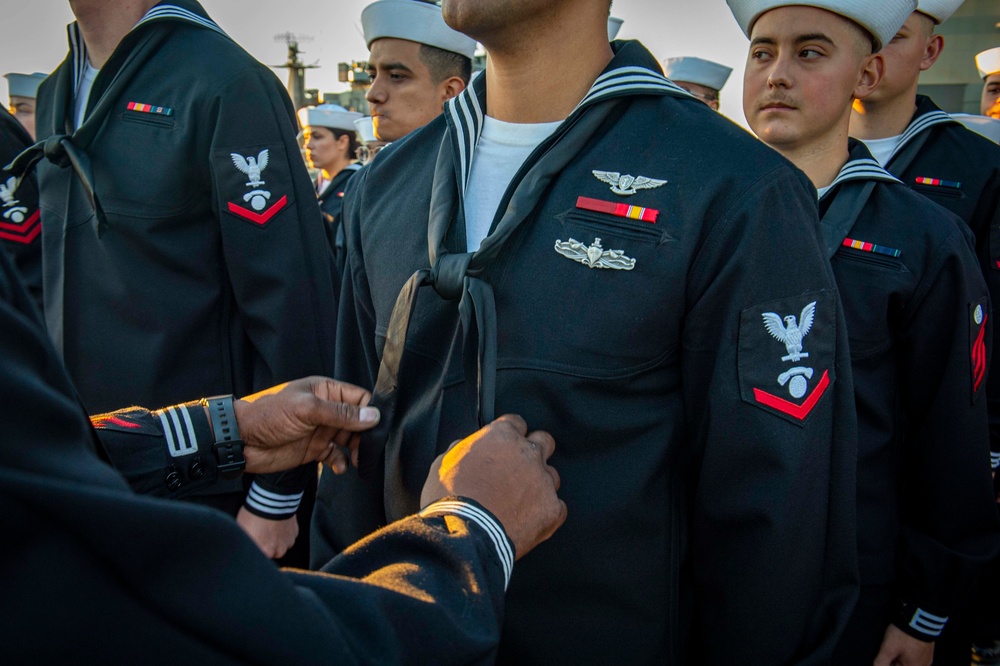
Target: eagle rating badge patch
[
  {"x": 251, "y": 190},
  {"x": 978, "y": 316},
  {"x": 786, "y": 355},
  {"x": 17, "y": 223}
]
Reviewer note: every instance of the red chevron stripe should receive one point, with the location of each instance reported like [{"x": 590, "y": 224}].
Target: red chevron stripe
[
  {"x": 259, "y": 218},
  {"x": 799, "y": 412}
]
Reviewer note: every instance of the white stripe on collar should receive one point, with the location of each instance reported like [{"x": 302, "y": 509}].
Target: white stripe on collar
[
  {"x": 78, "y": 48},
  {"x": 864, "y": 168},
  {"x": 465, "y": 113},
  {"x": 921, "y": 123}
]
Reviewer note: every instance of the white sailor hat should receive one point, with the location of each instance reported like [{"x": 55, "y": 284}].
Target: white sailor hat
[
  {"x": 939, "y": 10},
  {"x": 988, "y": 62},
  {"x": 696, "y": 70},
  {"x": 882, "y": 18},
  {"x": 614, "y": 25},
  {"x": 414, "y": 21},
  {"x": 366, "y": 130},
  {"x": 331, "y": 116},
  {"x": 23, "y": 85}
]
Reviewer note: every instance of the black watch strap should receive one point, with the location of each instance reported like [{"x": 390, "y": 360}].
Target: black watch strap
[{"x": 228, "y": 446}]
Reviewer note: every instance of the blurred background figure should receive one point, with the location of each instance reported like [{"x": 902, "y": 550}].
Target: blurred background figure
[
  {"x": 416, "y": 64},
  {"x": 331, "y": 144},
  {"x": 370, "y": 144},
  {"x": 702, "y": 78},
  {"x": 22, "y": 90},
  {"x": 988, "y": 63}
]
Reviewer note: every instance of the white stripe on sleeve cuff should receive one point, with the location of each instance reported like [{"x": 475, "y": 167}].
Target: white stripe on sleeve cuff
[
  {"x": 492, "y": 528},
  {"x": 272, "y": 503}
]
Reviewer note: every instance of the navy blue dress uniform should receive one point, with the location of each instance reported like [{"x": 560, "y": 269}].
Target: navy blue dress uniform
[
  {"x": 184, "y": 251},
  {"x": 20, "y": 221},
  {"x": 920, "y": 323},
  {"x": 93, "y": 572},
  {"x": 331, "y": 204},
  {"x": 960, "y": 170},
  {"x": 619, "y": 303}
]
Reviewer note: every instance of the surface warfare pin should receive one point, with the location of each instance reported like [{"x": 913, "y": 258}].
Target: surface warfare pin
[{"x": 594, "y": 256}]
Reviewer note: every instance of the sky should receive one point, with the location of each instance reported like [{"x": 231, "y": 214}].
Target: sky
[{"x": 33, "y": 35}]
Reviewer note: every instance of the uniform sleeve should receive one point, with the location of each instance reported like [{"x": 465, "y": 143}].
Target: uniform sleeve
[
  {"x": 770, "y": 404},
  {"x": 950, "y": 528},
  {"x": 20, "y": 217},
  {"x": 164, "y": 453},
  {"x": 275, "y": 251},
  {"x": 988, "y": 209}
]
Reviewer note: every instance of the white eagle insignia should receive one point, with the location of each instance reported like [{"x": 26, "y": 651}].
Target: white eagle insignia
[
  {"x": 251, "y": 166},
  {"x": 791, "y": 332},
  {"x": 627, "y": 185},
  {"x": 594, "y": 256}
]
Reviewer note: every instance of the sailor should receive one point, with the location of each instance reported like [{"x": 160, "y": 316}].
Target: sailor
[
  {"x": 591, "y": 257},
  {"x": 988, "y": 63},
  {"x": 370, "y": 144},
  {"x": 918, "y": 319},
  {"x": 184, "y": 250},
  {"x": 94, "y": 544},
  {"x": 702, "y": 78},
  {"x": 22, "y": 90},
  {"x": 331, "y": 146},
  {"x": 416, "y": 63}
]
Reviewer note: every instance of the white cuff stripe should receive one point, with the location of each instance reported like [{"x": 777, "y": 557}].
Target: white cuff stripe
[
  {"x": 190, "y": 427},
  {"x": 267, "y": 494},
  {"x": 177, "y": 444},
  {"x": 995, "y": 460},
  {"x": 928, "y": 623},
  {"x": 288, "y": 511},
  {"x": 499, "y": 538}
]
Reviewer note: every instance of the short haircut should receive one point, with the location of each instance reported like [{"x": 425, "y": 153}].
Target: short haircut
[
  {"x": 445, "y": 64},
  {"x": 352, "y": 146}
]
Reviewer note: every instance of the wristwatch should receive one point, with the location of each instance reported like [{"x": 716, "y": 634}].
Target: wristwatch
[{"x": 228, "y": 446}]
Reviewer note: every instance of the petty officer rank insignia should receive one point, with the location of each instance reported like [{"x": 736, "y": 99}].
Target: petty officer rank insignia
[
  {"x": 978, "y": 358},
  {"x": 786, "y": 352},
  {"x": 17, "y": 223},
  {"x": 253, "y": 182}
]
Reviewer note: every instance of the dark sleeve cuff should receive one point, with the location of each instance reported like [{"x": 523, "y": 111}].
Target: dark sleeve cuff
[
  {"x": 476, "y": 513},
  {"x": 272, "y": 504},
  {"x": 921, "y": 623},
  {"x": 166, "y": 453}
]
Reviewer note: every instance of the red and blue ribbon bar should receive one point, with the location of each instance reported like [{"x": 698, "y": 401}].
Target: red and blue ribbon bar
[
  {"x": 618, "y": 209},
  {"x": 149, "y": 108},
  {"x": 870, "y": 247},
  {"x": 937, "y": 182}
]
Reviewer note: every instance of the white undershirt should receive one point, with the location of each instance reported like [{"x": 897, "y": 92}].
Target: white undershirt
[
  {"x": 501, "y": 151},
  {"x": 882, "y": 149},
  {"x": 83, "y": 94},
  {"x": 823, "y": 190}
]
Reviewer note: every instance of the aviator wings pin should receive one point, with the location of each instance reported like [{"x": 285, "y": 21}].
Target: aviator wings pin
[
  {"x": 594, "y": 256},
  {"x": 628, "y": 184}
]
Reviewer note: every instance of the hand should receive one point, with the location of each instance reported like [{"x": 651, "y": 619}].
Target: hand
[
  {"x": 308, "y": 420},
  {"x": 273, "y": 537},
  {"x": 901, "y": 649},
  {"x": 504, "y": 469}
]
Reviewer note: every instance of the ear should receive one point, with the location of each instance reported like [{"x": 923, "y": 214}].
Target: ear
[
  {"x": 872, "y": 71},
  {"x": 451, "y": 87},
  {"x": 935, "y": 45}
]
